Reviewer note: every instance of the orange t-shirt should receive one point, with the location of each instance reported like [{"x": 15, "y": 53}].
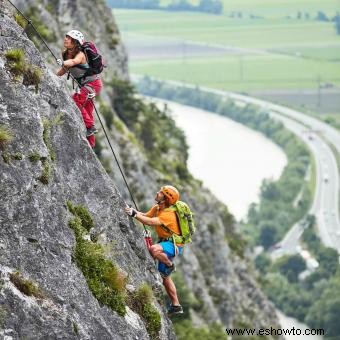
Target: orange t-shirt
[{"x": 167, "y": 218}]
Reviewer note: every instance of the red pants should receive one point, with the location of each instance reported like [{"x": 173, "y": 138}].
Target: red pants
[{"x": 86, "y": 105}]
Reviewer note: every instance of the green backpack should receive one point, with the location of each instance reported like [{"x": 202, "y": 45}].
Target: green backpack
[{"x": 185, "y": 220}]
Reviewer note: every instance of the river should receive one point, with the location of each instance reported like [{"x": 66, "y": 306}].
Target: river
[{"x": 232, "y": 161}]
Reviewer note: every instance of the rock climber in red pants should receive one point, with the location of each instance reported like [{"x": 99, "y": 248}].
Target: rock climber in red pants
[{"x": 74, "y": 61}]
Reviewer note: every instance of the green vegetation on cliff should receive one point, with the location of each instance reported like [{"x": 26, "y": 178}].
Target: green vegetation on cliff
[
  {"x": 105, "y": 280},
  {"x": 164, "y": 144}
]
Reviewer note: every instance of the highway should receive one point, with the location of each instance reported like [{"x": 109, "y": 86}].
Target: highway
[
  {"x": 326, "y": 188},
  {"x": 325, "y": 205}
]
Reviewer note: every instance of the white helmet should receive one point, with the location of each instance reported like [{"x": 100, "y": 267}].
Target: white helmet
[{"x": 76, "y": 35}]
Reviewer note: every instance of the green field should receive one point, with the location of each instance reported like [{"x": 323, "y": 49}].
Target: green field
[
  {"x": 242, "y": 74},
  {"x": 273, "y": 52},
  {"x": 249, "y": 33}
]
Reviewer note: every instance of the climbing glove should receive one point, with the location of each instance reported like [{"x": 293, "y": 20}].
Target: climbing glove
[
  {"x": 60, "y": 62},
  {"x": 130, "y": 211}
]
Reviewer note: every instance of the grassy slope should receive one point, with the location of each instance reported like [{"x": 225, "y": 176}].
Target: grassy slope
[
  {"x": 248, "y": 73},
  {"x": 249, "y": 33}
]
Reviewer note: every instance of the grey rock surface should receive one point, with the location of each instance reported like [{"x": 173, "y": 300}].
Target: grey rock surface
[{"x": 35, "y": 237}]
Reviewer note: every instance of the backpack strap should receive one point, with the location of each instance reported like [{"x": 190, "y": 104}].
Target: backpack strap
[
  {"x": 169, "y": 230},
  {"x": 175, "y": 239},
  {"x": 175, "y": 245},
  {"x": 166, "y": 228},
  {"x": 171, "y": 208},
  {"x": 173, "y": 236}
]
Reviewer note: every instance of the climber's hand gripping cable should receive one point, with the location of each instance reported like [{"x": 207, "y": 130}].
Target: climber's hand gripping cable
[
  {"x": 60, "y": 62},
  {"x": 131, "y": 211}
]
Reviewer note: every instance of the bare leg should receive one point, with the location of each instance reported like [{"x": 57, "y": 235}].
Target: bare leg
[
  {"x": 156, "y": 252},
  {"x": 171, "y": 290}
]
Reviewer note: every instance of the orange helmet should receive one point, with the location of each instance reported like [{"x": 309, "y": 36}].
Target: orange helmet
[{"x": 171, "y": 193}]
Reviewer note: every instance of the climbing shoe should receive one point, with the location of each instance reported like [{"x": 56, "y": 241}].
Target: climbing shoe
[
  {"x": 168, "y": 270},
  {"x": 175, "y": 310},
  {"x": 91, "y": 131}
]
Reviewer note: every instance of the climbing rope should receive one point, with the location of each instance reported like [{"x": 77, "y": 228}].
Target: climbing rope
[{"x": 29, "y": 23}]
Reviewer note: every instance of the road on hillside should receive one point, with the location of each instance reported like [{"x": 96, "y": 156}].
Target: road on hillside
[{"x": 324, "y": 203}]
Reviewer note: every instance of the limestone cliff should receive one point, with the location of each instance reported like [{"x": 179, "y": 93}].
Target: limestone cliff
[{"x": 47, "y": 169}]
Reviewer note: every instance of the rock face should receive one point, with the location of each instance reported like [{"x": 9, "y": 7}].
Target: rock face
[
  {"x": 48, "y": 163},
  {"x": 35, "y": 237}
]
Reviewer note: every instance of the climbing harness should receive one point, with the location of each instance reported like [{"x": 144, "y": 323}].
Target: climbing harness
[
  {"x": 147, "y": 235},
  {"x": 90, "y": 94}
]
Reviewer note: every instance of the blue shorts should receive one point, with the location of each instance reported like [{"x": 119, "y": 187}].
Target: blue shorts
[{"x": 169, "y": 250}]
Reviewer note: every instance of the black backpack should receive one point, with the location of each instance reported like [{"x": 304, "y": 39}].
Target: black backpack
[{"x": 94, "y": 59}]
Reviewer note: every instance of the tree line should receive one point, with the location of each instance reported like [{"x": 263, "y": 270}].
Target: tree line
[{"x": 322, "y": 16}]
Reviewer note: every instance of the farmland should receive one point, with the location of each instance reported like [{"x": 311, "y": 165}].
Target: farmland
[{"x": 264, "y": 48}]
